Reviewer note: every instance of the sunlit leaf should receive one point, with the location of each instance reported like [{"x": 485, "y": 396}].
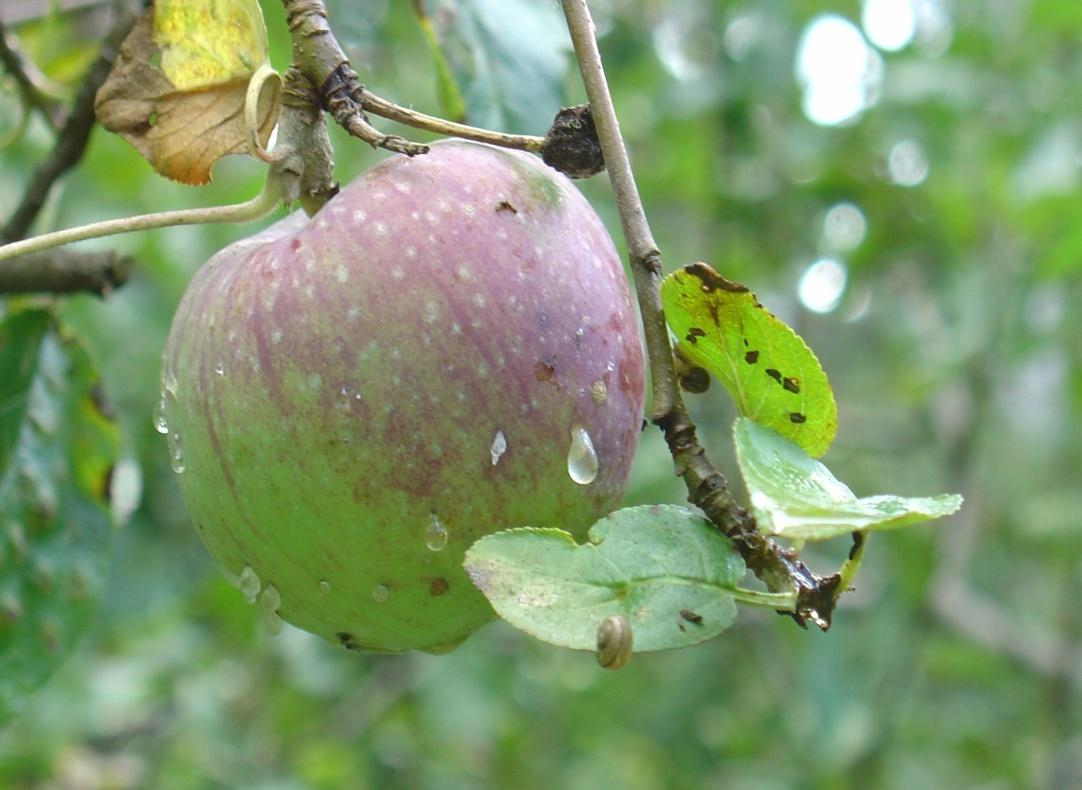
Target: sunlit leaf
[
  {"x": 771, "y": 374},
  {"x": 177, "y": 89},
  {"x": 55, "y": 526},
  {"x": 647, "y": 563},
  {"x": 795, "y": 496}
]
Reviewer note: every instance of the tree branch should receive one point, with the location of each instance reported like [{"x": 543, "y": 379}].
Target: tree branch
[
  {"x": 707, "y": 488},
  {"x": 64, "y": 272},
  {"x": 32, "y": 94},
  {"x": 73, "y": 137}
]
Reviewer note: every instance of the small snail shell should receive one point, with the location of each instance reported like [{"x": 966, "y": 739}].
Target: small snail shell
[{"x": 614, "y": 642}]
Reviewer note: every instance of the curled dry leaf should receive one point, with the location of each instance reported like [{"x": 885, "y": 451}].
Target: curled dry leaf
[{"x": 177, "y": 90}]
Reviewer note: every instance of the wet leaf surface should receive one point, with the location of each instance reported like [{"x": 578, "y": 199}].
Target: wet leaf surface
[
  {"x": 795, "y": 496},
  {"x": 653, "y": 565}
]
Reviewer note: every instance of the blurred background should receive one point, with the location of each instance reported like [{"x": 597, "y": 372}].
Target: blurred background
[{"x": 899, "y": 180}]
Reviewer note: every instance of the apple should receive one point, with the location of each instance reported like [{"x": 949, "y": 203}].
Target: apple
[{"x": 446, "y": 349}]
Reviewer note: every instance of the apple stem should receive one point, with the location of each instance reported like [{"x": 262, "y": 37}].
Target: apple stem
[
  {"x": 259, "y": 206},
  {"x": 810, "y": 596},
  {"x": 409, "y": 117}
]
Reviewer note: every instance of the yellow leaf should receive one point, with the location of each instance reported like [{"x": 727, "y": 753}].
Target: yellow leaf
[
  {"x": 177, "y": 90},
  {"x": 205, "y": 43}
]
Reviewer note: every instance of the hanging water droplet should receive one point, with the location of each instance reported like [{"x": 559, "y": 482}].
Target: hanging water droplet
[
  {"x": 249, "y": 584},
  {"x": 270, "y": 599},
  {"x": 380, "y": 593},
  {"x": 498, "y": 448},
  {"x": 161, "y": 424},
  {"x": 582, "y": 463},
  {"x": 436, "y": 534},
  {"x": 324, "y": 588},
  {"x": 219, "y": 369},
  {"x": 272, "y": 623},
  {"x": 176, "y": 453}
]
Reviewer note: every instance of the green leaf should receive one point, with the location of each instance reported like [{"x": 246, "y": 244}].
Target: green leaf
[
  {"x": 771, "y": 374},
  {"x": 510, "y": 57},
  {"x": 795, "y": 496},
  {"x": 646, "y": 563},
  {"x": 55, "y": 528},
  {"x": 452, "y": 105},
  {"x": 20, "y": 340}
]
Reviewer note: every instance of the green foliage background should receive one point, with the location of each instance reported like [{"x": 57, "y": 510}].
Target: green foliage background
[{"x": 954, "y": 354}]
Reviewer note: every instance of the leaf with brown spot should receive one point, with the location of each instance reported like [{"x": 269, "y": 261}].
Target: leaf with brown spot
[
  {"x": 767, "y": 368},
  {"x": 177, "y": 89}
]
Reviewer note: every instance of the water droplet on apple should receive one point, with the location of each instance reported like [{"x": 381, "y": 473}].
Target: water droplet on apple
[
  {"x": 269, "y": 601},
  {"x": 161, "y": 424},
  {"x": 498, "y": 448},
  {"x": 435, "y": 534},
  {"x": 219, "y": 369},
  {"x": 582, "y": 462},
  {"x": 170, "y": 382},
  {"x": 380, "y": 593},
  {"x": 324, "y": 588},
  {"x": 176, "y": 453},
  {"x": 272, "y": 623},
  {"x": 249, "y": 584}
]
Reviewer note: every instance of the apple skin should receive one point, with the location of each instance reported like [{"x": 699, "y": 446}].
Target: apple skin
[{"x": 332, "y": 384}]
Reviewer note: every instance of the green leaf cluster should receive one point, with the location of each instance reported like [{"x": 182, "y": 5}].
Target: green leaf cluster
[{"x": 57, "y": 456}]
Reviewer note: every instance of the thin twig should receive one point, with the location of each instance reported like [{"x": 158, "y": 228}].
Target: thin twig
[
  {"x": 248, "y": 211},
  {"x": 64, "y": 272},
  {"x": 32, "y": 94},
  {"x": 430, "y": 123},
  {"x": 73, "y": 137},
  {"x": 707, "y": 488},
  {"x": 318, "y": 55}
]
